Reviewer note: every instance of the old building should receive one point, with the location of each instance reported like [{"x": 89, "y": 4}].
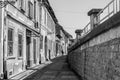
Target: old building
[
  {"x": 67, "y": 39},
  {"x": 58, "y": 40},
  {"x": 48, "y": 22},
  {"x": 28, "y": 36},
  {"x": 62, "y": 40},
  {"x": 20, "y": 36}
]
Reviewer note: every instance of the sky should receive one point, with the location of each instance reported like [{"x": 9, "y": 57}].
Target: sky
[{"x": 72, "y": 14}]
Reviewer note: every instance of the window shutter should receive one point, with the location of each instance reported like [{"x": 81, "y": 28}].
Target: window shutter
[{"x": 30, "y": 10}]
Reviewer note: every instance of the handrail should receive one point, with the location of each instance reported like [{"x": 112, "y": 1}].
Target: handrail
[
  {"x": 108, "y": 11},
  {"x": 105, "y": 7},
  {"x": 86, "y": 29}
]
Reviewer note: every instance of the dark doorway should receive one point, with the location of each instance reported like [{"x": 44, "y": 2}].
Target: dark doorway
[
  {"x": 49, "y": 54},
  {"x": 28, "y": 42},
  {"x": 28, "y": 51},
  {"x": 46, "y": 48},
  {"x": 34, "y": 51}
]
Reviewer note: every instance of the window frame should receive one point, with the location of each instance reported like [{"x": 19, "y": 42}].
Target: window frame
[
  {"x": 30, "y": 10},
  {"x": 9, "y": 42},
  {"x": 20, "y": 45},
  {"x": 35, "y": 6},
  {"x": 22, "y": 5}
]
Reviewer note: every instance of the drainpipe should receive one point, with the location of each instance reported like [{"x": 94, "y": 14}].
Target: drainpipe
[
  {"x": 94, "y": 19},
  {"x": 1, "y": 41},
  {"x": 4, "y": 74},
  {"x": 40, "y": 3}
]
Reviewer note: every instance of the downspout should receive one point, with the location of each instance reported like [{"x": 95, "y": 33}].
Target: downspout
[
  {"x": 40, "y": 26},
  {"x": 3, "y": 44}
]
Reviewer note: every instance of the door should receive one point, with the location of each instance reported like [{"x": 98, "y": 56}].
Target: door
[
  {"x": 34, "y": 51},
  {"x": 46, "y": 48},
  {"x": 28, "y": 51}
]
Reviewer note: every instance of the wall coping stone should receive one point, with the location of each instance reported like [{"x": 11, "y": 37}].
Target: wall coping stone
[{"x": 94, "y": 11}]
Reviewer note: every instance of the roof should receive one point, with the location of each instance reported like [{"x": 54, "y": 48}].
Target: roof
[
  {"x": 59, "y": 27},
  {"x": 49, "y": 8}
]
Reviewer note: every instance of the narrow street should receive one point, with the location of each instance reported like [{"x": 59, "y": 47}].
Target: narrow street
[
  {"x": 57, "y": 70},
  {"x": 48, "y": 40}
]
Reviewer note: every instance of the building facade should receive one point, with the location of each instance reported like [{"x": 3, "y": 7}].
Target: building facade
[
  {"x": 48, "y": 22},
  {"x": 28, "y": 36},
  {"x": 62, "y": 40},
  {"x": 20, "y": 37}
]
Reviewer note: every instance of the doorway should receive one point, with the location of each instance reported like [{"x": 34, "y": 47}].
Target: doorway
[
  {"x": 46, "y": 48},
  {"x": 28, "y": 51},
  {"x": 28, "y": 42}
]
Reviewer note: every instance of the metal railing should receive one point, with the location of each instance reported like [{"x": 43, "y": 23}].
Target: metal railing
[
  {"x": 108, "y": 11},
  {"x": 86, "y": 29}
]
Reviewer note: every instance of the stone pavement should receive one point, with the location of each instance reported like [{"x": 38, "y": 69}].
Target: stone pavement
[{"x": 57, "y": 70}]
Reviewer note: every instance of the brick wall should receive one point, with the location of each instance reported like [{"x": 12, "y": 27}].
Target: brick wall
[{"x": 99, "y": 57}]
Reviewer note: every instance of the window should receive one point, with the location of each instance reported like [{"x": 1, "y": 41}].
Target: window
[
  {"x": 35, "y": 10},
  {"x": 10, "y": 42},
  {"x": 20, "y": 45},
  {"x": 22, "y": 5},
  {"x": 30, "y": 14},
  {"x": 45, "y": 14}
]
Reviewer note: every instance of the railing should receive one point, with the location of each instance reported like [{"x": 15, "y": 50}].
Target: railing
[
  {"x": 86, "y": 29},
  {"x": 108, "y": 11}
]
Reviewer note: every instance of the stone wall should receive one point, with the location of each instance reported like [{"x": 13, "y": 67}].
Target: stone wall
[
  {"x": 76, "y": 59},
  {"x": 97, "y": 56}
]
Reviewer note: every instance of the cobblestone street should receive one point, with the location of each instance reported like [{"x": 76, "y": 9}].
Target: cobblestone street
[{"x": 58, "y": 70}]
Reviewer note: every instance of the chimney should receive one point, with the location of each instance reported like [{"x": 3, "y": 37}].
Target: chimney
[
  {"x": 78, "y": 34},
  {"x": 94, "y": 19}
]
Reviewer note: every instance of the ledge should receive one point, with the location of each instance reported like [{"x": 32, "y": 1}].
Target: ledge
[{"x": 112, "y": 22}]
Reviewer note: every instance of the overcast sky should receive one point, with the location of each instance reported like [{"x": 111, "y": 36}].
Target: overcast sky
[{"x": 72, "y": 14}]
